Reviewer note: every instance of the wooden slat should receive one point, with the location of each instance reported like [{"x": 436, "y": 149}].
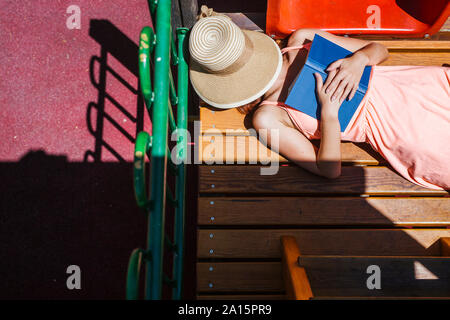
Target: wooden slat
[
  {"x": 295, "y": 180},
  {"x": 239, "y": 277},
  {"x": 235, "y": 150},
  {"x": 253, "y": 243},
  {"x": 324, "y": 211},
  {"x": 227, "y": 121},
  {"x": 295, "y": 279},
  {"x": 240, "y": 149},
  {"x": 241, "y": 297},
  {"x": 400, "y": 276},
  {"x": 445, "y": 247},
  {"x": 409, "y": 45},
  {"x": 398, "y": 279},
  {"x": 417, "y": 58}
]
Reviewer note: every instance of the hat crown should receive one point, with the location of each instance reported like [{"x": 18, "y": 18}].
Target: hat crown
[{"x": 216, "y": 43}]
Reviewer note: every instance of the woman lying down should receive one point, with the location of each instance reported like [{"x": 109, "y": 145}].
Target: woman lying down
[{"x": 404, "y": 115}]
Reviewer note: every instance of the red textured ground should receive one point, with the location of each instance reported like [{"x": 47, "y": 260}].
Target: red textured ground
[
  {"x": 65, "y": 170},
  {"x": 46, "y": 87}
]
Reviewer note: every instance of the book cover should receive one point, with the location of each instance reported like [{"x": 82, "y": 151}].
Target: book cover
[{"x": 302, "y": 95}]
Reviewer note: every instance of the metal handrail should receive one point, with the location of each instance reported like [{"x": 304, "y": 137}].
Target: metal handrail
[{"x": 159, "y": 96}]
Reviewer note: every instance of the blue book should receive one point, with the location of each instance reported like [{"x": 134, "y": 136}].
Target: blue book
[{"x": 302, "y": 94}]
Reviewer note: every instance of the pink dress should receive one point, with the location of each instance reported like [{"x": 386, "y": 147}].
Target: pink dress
[{"x": 405, "y": 116}]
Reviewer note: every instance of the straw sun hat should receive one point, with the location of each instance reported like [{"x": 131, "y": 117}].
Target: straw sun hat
[{"x": 231, "y": 67}]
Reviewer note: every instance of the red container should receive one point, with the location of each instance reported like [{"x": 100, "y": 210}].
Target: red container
[{"x": 405, "y": 18}]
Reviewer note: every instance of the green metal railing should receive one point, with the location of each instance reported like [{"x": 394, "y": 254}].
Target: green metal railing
[{"x": 159, "y": 98}]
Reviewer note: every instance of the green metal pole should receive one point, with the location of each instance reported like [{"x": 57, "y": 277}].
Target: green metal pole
[
  {"x": 146, "y": 47},
  {"x": 173, "y": 50},
  {"x": 152, "y": 4},
  {"x": 182, "y": 115},
  {"x": 143, "y": 145},
  {"x": 134, "y": 269},
  {"x": 155, "y": 238}
]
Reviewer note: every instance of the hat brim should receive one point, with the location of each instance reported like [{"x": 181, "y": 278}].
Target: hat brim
[{"x": 247, "y": 84}]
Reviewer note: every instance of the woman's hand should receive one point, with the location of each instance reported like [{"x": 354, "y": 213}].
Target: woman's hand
[
  {"x": 329, "y": 107},
  {"x": 344, "y": 76}
]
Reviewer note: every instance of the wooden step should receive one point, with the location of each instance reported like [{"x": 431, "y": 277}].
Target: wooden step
[
  {"x": 311, "y": 211},
  {"x": 239, "y": 277},
  {"x": 248, "y": 179},
  {"x": 400, "y": 276},
  {"x": 265, "y": 243}
]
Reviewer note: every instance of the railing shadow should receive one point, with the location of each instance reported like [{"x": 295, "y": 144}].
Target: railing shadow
[{"x": 113, "y": 43}]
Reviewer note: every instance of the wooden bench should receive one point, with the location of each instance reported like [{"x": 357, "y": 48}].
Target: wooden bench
[{"x": 369, "y": 212}]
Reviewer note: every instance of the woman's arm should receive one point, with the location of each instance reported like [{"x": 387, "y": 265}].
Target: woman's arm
[
  {"x": 283, "y": 137},
  {"x": 329, "y": 154},
  {"x": 295, "y": 146},
  {"x": 344, "y": 74},
  {"x": 352, "y": 44}
]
